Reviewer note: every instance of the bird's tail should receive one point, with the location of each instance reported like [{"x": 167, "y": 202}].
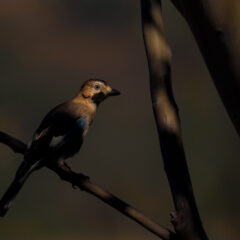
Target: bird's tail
[{"x": 22, "y": 175}]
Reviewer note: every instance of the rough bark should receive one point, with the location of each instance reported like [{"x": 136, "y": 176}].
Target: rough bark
[{"x": 186, "y": 219}]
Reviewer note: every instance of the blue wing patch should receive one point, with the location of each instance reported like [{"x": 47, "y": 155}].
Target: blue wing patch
[
  {"x": 82, "y": 122},
  {"x": 76, "y": 131}
]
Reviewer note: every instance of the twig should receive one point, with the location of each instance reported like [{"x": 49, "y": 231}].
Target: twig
[
  {"x": 186, "y": 219},
  {"x": 84, "y": 184}
]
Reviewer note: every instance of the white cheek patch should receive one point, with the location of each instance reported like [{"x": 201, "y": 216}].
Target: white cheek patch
[{"x": 55, "y": 141}]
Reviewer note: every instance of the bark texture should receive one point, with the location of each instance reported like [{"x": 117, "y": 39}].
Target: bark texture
[
  {"x": 186, "y": 219},
  {"x": 83, "y": 182}
]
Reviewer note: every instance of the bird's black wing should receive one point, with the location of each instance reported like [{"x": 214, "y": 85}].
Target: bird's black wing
[{"x": 58, "y": 122}]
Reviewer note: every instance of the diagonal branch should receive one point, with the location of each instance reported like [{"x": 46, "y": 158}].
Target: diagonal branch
[
  {"x": 84, "y": 184},
  {"x": 215, "y": 26},
  {"x": 186, "y": 220}
]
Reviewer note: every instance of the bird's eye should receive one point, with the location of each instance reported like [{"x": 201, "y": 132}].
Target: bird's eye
[{"x": 96, "y": 87}]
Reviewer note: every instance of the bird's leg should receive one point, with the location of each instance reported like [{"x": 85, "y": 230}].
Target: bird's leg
[{"x": 63, "y": 165}]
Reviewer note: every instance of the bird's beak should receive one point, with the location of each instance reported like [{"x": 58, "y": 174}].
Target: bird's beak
[{"x": 114, "y": 92}]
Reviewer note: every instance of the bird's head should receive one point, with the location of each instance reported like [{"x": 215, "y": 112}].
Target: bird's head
[{"x": 96, "y": 90}]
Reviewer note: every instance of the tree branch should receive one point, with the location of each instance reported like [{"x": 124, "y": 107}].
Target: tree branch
[
  {"x": 82, "y": 182},
  {"x": 16, "y": 145},
  {"x": 186, "y": 219},
  {"x": 215, "y": 26}
]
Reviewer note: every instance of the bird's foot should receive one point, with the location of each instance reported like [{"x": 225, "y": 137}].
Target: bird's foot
[{"x": 79, "y": 179}]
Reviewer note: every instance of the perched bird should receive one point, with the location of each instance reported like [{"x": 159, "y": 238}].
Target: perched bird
[{"x": 60, "y": 134}]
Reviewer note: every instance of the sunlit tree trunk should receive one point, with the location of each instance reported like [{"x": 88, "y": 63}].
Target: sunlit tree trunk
[
  {"x": 214, "y": 24},
  {"x": 186, "y": 219}
]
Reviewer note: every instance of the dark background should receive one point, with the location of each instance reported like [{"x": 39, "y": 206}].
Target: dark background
[{"x": 47, "y": 49}]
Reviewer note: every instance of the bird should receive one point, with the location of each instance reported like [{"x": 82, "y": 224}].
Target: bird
[{"x": 60, "y": 134}]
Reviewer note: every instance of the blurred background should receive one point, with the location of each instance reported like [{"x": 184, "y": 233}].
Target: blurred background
[{"x": 47, "y": 49}]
